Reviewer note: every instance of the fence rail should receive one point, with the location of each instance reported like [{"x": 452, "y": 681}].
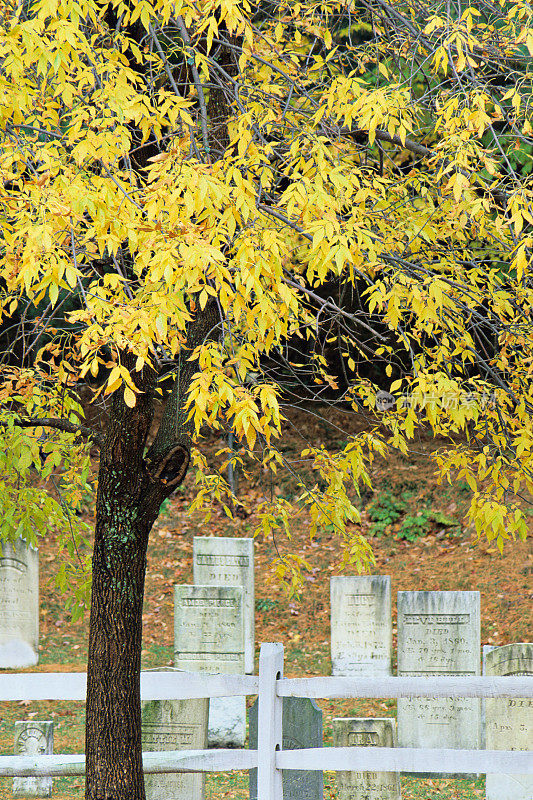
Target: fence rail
[
  {"x": 427, "y": 686},
  {"x": 400, "y": 759},
  {"x": 328, "y": 758},
  {"x": 154, "y": 685},
  {"x": 269, "y": 758},
  {"x": 167, "y": 761}
]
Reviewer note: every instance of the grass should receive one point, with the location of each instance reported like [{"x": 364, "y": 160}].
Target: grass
[{"x": 443, "y": 556}]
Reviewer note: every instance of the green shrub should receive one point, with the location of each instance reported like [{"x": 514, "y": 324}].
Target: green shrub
[
  {"x": 415, "y": 525},
  {"x": 383, "y": 511}
]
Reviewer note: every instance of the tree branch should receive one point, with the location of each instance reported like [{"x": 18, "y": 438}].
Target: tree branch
[
  {"x": 60, "y": 425},
  {"x": 175, "y": 427}
]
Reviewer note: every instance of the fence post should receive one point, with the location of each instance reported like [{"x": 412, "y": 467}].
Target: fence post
[{"x": 269, "y": 723}]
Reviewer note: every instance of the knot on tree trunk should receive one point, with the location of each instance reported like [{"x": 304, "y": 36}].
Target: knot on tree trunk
[{"x": 171, "y": 468}]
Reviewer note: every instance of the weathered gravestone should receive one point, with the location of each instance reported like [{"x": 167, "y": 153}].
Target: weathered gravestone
[
  {"x": 227, "y": 561},
  {"x": 366, "y": 732},
  {"x": 209, "y": 637},
  {"x": 361, "y": 625},
  {"x": 485, "y": 648},
  {"x": 175, "y": 725},
  {"x": 439, "y": 634},
  {"x": 509, "y": 721},
  {"x": 19, "y": 605},
  {"x": 302, "y": 727},
  {"x": 33, "y": 738}
]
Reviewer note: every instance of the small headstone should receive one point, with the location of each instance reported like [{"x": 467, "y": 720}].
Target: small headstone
[
  {"x": 361, "y": 625},
  {"x": 302, "y": 727},
  {"x": 175, "y": 725},
  {"x": 19, "y": 605},
  {"x": 366, "y": 732},
  {"x": 229, "y": 561},
  {"x": 33, "y": 738},
  {"x": 509, "y": 721},
  {"x": 209, "y": 637},
  {"x": 439, "y": 634}
]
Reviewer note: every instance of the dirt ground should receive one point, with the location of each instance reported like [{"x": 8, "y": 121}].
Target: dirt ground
[{"x": 442, "y": 555}]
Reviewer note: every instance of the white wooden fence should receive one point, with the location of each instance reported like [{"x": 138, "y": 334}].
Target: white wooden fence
[{"x": 269, "y": 757}]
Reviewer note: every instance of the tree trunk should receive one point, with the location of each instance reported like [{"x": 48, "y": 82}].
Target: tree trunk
[
  {"x": 131, "y": 488},
  {"x": 114, "y": 761},
  {"x": 127, "y": 505}
]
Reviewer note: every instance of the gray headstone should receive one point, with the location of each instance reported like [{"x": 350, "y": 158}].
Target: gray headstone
[
  {"x": 35, "y": 738},
  {"x": 509, "y": 722},
  {"x": 361, "y": 625},
  {"x": 439, "y": 634},
  {"x": 209, "y": 637},
  {"x": 302, "y": 727},
  {"x": 19, "y": 605},
  {"x": 229, "y": 561},
  {"x": 227, "y": 722},
  {"x": 366, "y": 732},
  {"x": 175, "y": 725}
]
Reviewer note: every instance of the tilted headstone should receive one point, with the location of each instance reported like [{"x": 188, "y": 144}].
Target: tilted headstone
[
  {"x": 361, "y": 625},
  {"x": 19, "y": 605},
  {"x": 366, "y": 732},
  {"x": 33, "y": 738},
  {"x": 439, "y": 634},
  {"x": 175, "y": 725},
  {"x": 209, "y": 637},
  {"x": 509, "y": 721},
  {"x": 228, "y": 561},
  {"x": 302, "y": 727}
]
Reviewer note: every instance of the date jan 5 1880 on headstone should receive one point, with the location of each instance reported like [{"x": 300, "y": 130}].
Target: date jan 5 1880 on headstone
[
  {"x": 302, "y": 727},
  {"x": 509, "y": 721},
  {"x": 34, "y": 738},
  {"x": 19, "y": 605},
  {"x": 439, "y": 634}
]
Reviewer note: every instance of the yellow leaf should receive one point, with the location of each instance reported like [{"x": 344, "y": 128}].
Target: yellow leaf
[
  {"x": 114, "y": 380},
  {"x": 471, "y": 481},
  {"x": 129, "y": 397}
]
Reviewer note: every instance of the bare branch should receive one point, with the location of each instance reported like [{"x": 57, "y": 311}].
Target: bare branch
[{"x": 60, "y": 425}]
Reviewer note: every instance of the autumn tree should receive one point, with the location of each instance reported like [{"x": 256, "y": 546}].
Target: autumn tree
[{"x": 228, "y": 208}]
